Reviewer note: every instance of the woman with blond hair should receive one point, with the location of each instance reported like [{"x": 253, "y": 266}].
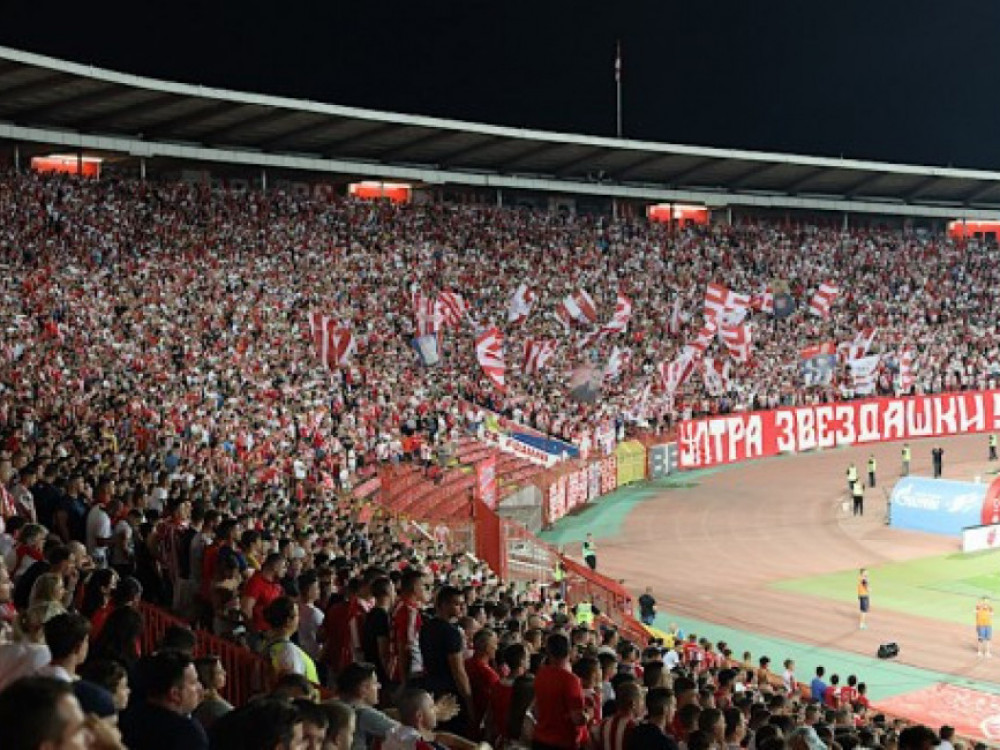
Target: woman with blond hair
[
  {"x": 48, "y": 588},
  {"x": 27, "y": 652}
]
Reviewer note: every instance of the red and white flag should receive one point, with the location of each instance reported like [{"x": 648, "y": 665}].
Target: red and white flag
[
  {"x": 427, "y": 315},
  {"x": 450, "y": 308},
  {"x": 864, "y": 374},
  {"x": 764, "y": 302},
  {"x": 859, "y": 347},
  {"x": 737, "y": 341},
  {"x": 340, "y": 347},
  {"x": 334, "y": 342},
  {"x": 906, "y": 377},
  {"x": 616, "y": 362},
  {"x": 578, "y": 306},
  {"x": 725, "y": 305},
  {"x": 674, "y": 374},
  {"x": 705, "y": 336},
  {"x": 623, "y": 313},
  {"x": 489, "y": 352},
  {"x": 674, "y": 327},
  {"x": 537, "y": 353},
  {"x": 823, "y": 299},
  {"x": 520, "y": 305},
  {"x": 717, "y": 376}
]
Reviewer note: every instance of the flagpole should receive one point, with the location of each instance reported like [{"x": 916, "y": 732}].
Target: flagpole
[{"x": 618, "y": 83}]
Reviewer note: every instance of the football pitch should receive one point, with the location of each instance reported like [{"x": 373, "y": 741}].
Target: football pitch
[{"x": 944, "y": 587}]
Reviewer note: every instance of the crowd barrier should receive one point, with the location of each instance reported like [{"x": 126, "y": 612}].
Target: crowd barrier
[
  {"x": 246, "y": 671},
  {"x": 732, "y": 438}
]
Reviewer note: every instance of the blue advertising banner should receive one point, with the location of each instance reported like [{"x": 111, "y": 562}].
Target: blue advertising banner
[{"x": 936, "y": 506}]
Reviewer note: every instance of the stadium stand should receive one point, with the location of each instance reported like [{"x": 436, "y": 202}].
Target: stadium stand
[{"x": 205, "y": 477}]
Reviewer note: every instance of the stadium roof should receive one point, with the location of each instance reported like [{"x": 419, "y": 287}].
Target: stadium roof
[{"x": 49, "y": 101}]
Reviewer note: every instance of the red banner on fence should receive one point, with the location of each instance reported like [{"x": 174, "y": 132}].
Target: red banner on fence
[
  {"x": 486, "y": 480},
  {"x": 740, "y": 437}
]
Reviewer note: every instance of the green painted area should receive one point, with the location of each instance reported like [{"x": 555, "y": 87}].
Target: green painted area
[
  {"x": 943, "y": 587},
  {"x": 885, "y": 679},
  {"x": 605, "y": 517}
]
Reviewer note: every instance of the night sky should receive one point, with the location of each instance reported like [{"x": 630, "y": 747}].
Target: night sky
[{"x": 897, "y": 80}]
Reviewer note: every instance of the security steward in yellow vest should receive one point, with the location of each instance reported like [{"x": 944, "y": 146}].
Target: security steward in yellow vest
[
  {"x": 852, "y": 476},
  {"x": 585, "y": 614},
  {"x": 559, "y": 579},
  {"x": 907, "y": 455},
  {"x": 858, "y": 494}
]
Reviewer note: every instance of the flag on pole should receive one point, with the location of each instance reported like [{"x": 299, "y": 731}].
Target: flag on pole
[
  {"x": 450, "y": 308},
  {"x": 858, "y": 348},
  {"x": 823, "y": 299},
  {"x": 489, "y": 352},
  {"x": 537, "y": 353},
  {"x": 427, "y": 315},
  {"x": 520, "y": 305},
  {"x": 578, "y": 306}
]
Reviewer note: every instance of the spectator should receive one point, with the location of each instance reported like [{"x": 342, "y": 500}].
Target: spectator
[
  {"x": 653, "y": 733},
  {"x": 212, "y": 676},
  {"x": 559, "y": 705},
  {"x": 282, "y": 618},
  {"x": 161, "y": 720},
  {"x": 419, "y": 722},
  {"x": 41, "y": 712},
  {"x": 67, "y": 636},
  {"x": 442, "y": 647},
  {"x": 264, "y": 724}
]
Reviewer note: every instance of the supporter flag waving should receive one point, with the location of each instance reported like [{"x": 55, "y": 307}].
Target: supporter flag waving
[
  {"x": 427, "y": 315},
  {"x": 537, "y": 353},
  {"x": 489, "y": 352},
  {"x": 764, "y": 302},
  {"x": 623, "y": 313},
  {"x": 864, "y": 374},
  {"x": 616, "y": 363},
  {"x": 823, "y": 299},
  {"x": 674, "y": 374},
  {"x": 578, "y": 306},
  {"x": 906, "y": 377},
  {"x": 674, "y": 326},
  {"x": 717, "y": 376},
  {"x": 818, "y": 363},
  {"x": 737, "y": 341},
  {"x": 520, "y": 305},
  {"x": 705, "y": 336},
  {"x": 859, "y": 347},
  {"x": 725, "y": 305},
  {"x": 450, "y": 308},
  {"x": 335, "y": 343}
]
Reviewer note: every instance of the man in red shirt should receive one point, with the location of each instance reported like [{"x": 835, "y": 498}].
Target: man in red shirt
[
  {"x": 614, "y": 730},
  {"x": 558, "y": 699},
  {"x": 406, "y": 621},
  {"x": 482, "y": 676},
  {"x": 831, "y": 696},
  {"x": 262, "y": 589}
]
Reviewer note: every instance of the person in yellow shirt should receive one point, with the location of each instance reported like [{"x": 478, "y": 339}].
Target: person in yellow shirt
[
  {"x": 984, "y": 626},
  {"x": 864, "y": 597}
]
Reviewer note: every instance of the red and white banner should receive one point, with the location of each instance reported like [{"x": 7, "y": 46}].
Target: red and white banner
[
  {"x": 740, "y": 437},
  {"x": 537, "y": 353},
  {"x": 737, "y": 341},
  {"x": 427, "y": 315},
  {"x": 623, "y": 313},
  {"x": 821, "y": 301},
  {"x": 489, "y": 352},
  {"x": 520, "y": 305},
  {"x": 578, "y": 306},
  {"x": 334, "y": 343},
  {"x": 486, "y": 482},
  {"x": 450, "y": 308}
]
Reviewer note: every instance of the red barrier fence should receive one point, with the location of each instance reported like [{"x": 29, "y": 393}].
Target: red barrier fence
[{"x": 246, "y": 671}]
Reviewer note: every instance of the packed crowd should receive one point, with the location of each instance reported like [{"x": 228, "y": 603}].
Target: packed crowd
[{"x": 168, "y": 435}]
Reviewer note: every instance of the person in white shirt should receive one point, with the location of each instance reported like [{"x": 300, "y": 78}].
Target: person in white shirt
[
  {"x": 310, "y": 616},
  {"x": 99, "y": 532}
]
